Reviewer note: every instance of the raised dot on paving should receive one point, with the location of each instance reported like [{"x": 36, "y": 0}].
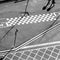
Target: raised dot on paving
[
  {"x": 26, "y": 21},
  {"x": 8, "y": 23},
  {"x": 21, "y": 20},
  {"x": 12, "y": 22},
  {"x": 34, "y": 19},
  {"x": 46, "y": 17},
  {"x": 39, "y": 17},
  {"x": 52, "y": 18},
  {"x": 49, "y": 16},
  {"x": 42, "y": 17},
  {"x": 16, "y": 20},
  {"x": 7, "y": 19}
]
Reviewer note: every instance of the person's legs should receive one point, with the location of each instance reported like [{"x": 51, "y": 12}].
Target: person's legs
[
  {"x": 53, "y": 2},
  {"x": 52, "y": 5},
  {"x": 44, "y": 7}
]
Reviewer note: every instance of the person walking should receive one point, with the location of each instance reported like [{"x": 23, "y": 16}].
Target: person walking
[{"x": 51, "y": 5}]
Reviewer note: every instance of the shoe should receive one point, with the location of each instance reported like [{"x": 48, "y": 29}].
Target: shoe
[
  {"x": 44, "y": 8},
  {"x": 48, "y": 9}
]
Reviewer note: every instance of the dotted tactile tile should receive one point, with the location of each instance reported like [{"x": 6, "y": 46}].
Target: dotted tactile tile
[{"x": 45, "y": 53}]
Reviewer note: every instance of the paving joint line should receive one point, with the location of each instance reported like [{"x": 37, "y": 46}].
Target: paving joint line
[
  {"x": 43, "y": 54},
  {"x": 36, "y": 54},
  {"x": 58, "y": 55},
  {"x": 51, "y": 53}
]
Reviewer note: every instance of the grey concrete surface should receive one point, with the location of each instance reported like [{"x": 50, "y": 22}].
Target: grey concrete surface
[
  {"x": 26, "y": 32},
  {"x": 50, "y": 36}
]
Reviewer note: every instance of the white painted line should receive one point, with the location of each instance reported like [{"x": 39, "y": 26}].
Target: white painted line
[{"x": 38, "y": 45}]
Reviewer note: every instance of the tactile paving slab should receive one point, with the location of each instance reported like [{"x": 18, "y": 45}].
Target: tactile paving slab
[{"x": 45, "y": 53}]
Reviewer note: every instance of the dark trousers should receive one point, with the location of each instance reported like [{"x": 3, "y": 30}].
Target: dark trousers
[
  {"x": 52, "y": 2},
  {"x": 48, "y": 3}
]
